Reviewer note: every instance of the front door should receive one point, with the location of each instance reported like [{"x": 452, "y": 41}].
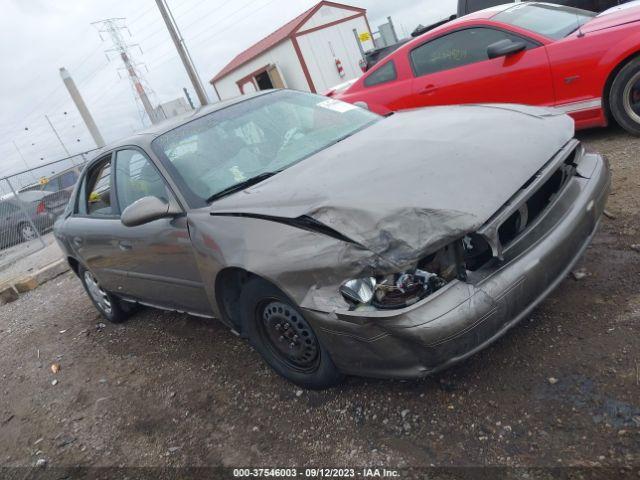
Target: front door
[
  {"x": 456, "y": 69},
  {"x": 157, "y": 256}
]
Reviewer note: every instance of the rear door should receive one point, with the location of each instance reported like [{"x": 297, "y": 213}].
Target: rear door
[
  {"x": 455, "y": 69},
  {"x": 91, "y": 227}
]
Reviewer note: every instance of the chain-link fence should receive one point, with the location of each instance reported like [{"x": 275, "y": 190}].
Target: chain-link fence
[{"x": 30, "y": 203}]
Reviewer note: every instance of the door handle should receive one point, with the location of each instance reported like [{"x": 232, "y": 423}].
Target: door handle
[
  {"x": 428, "y": 89},
  {"x": 77, "y": 241},
  {"x": 124, "y": 245}
]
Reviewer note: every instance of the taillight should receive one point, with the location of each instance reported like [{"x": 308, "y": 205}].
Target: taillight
[{"x": 40, "y": 208}]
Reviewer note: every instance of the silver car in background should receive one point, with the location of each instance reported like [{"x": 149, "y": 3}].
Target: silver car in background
[{"x": 338, "y": 241}]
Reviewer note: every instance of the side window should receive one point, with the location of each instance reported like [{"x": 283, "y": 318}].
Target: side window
[
  {"x": 68, "y": 179},
  {"x": 386, "y": 73},
  {"x": 97, "y": 191},
  {"x": 458, "y": 49},
  {"x": 52, "y": 185},
  {"x": 136, "y": 177}
]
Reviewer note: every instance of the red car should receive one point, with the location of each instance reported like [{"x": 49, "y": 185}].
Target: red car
[{"x": 533, "y": 53}]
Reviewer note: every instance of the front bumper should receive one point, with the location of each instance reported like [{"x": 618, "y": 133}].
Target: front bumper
[{"x": 465, "y": 317}]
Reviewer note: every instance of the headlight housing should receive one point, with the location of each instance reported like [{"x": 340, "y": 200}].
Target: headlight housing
[
  {"x": 392, "y": 291},
  {"x": 399, "y": 290},
  {"x": 360, "y": 290}
]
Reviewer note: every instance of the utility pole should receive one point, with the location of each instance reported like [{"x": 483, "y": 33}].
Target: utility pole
[
  {"x": 178, "y": 41},
  {"x": 393, "y": 29},
  {"x": 82, "y": 107},
  {"x": 113, "y": 27},
  {"x": 57, "y": 136}
]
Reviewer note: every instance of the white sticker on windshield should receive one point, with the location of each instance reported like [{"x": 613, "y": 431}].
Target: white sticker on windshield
[
  {"x": 336, "y": 106},
  {"x": 238, "y": 175}
]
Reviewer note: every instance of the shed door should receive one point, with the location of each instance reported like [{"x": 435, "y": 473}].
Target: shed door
[{"x": 276, "y": 78}]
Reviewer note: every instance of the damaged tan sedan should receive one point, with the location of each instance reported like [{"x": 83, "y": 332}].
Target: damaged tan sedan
[{"x": 338, "y": 241}]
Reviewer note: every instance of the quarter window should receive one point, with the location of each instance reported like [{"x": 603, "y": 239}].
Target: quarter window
[
  {"x": 457, "y": 49},
  {"x": 386, "y": 73},
  {"x": 98, "y": 190},
  {"x": 136, "y": 177}
]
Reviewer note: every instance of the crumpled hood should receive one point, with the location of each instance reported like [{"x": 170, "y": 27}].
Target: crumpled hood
[{"x": 415, "y": 181}]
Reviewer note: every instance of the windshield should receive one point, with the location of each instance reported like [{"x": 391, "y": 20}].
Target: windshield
[
  {"x": 252, "y": 138},
  {"x": 553, "y": 21}
]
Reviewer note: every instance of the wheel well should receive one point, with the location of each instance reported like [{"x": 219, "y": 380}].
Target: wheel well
[
  {"x": 228, "y": 285},
  {"x": 609, "y": 83},
  {"x": 74, "y": 264}
]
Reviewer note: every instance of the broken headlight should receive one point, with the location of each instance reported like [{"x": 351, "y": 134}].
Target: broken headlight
[
  {"x": 402, "y": 289},
  {"x": 360, "y": 290},
  {"x": 392, "y": 291}
]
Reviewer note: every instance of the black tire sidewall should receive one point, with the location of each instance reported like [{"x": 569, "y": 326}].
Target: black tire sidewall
[
  {"x": 616, "y": 101},
  {"x": 117, "y": 315},
  {"x": 253, "y": 293}
]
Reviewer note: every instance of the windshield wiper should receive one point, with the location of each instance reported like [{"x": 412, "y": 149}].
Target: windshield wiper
[{"x": 242, "y": 185}]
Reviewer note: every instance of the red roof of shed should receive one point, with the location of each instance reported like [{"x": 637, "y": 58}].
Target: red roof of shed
[{"x": 284, "y": 32}]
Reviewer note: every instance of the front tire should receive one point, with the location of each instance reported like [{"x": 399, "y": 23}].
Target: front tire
[
  {"x": 109, "y": 306},
  {"x": 279, "y": 332},
  {"x": 624, "y": 97}
]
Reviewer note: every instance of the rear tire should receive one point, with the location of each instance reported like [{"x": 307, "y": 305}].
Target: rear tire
[
  {"x": 279, "y": 332},
  {"x": 109, "y": 306},
  {"x": 27, "y": 232},
  {"x": 624, "y": 97}
]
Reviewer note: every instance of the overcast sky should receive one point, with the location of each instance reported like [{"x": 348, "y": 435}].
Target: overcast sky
[{"x": 40, "y": 36}]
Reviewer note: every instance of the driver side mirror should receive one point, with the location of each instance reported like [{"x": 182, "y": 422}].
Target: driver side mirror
[
  {"x": 148, "y": 209},
  {"x": 503, "y": 48}
]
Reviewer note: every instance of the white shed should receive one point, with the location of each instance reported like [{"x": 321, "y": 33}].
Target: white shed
[{"x": 313, "y": 52}]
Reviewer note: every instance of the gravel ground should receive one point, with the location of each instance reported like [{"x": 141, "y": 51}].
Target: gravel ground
[{"x": 166, "y": 389}]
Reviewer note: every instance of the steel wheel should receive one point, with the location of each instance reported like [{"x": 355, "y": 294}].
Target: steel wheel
[
  {"x": 27, "y": 232},
  {"x": 631, "y": 98},
  {"x": 288, "y": 335},
  {"x": 99, "y": 296}
]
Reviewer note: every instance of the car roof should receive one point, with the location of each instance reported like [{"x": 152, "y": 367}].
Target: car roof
[{"x": 486, "y": 14}]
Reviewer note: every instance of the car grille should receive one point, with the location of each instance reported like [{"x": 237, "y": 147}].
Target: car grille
[{"x": 531, "y": 201}]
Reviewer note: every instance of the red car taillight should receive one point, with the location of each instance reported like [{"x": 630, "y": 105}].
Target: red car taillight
[{"x": 40, "y": 208}]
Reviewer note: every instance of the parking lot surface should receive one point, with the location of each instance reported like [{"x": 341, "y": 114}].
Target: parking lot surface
[{"x": 562, "y": 389}]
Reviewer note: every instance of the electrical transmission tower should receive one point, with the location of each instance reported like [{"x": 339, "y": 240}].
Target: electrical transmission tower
[{"x": 113, "y": 27}]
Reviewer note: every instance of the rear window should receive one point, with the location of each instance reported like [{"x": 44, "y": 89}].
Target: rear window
[{"x": 553, "y": 21}]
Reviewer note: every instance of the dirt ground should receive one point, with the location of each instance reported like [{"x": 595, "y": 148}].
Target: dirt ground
[{"x": 166, "y": 389}]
